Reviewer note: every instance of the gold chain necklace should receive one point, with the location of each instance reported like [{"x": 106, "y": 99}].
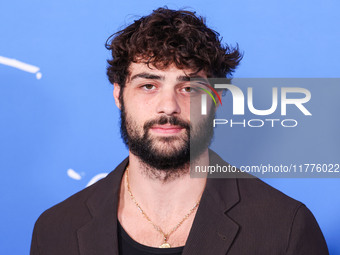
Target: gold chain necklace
[{"x": 165, "y": 235}]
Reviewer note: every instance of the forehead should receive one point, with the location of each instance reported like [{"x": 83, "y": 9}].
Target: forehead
[{"x": 170, "y": 72}]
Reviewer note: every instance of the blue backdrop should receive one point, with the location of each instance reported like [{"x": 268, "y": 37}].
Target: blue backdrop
[{"x": 59, "y": 124}]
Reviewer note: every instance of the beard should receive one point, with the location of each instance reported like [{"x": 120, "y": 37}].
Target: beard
[{"x": 167, "y": 154}]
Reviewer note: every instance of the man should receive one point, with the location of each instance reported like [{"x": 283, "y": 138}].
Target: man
[{"x": 149, "y": 204}]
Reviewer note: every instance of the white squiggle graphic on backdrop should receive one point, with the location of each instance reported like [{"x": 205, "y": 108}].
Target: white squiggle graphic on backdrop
[
  {"x": 21, "y": 65},
  {"x": 73, "y": 174},
  {"x": 96, "y": 178},
  {"x": 76, "y": 176}
]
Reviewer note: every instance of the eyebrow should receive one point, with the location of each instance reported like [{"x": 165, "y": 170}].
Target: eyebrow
[
  {"x": 189, "y": 77},
  {"x": 150, "y": 76}
]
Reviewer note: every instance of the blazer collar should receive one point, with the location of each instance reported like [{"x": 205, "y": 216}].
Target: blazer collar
[
  {"x": 99, "y": 235},
  {"x": 213, "y": 231},
  {"x": 211, "y": 223}
]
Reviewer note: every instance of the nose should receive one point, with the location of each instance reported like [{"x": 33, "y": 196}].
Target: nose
[{"x": 168, "y": 103}]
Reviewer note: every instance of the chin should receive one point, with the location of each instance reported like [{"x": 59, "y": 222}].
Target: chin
[{"x": 168, "y": 148}]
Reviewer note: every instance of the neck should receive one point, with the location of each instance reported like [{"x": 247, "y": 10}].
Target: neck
[{"x": 156, "y": 192}]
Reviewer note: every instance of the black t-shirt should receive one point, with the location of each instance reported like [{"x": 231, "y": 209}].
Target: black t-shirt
[{"x": 128, "y": 246}]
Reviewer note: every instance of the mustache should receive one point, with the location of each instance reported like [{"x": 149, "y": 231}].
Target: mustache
[{"x": 172, "y": 120}]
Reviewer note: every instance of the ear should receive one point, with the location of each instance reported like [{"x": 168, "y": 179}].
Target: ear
[{"x": 116, "y": 92}]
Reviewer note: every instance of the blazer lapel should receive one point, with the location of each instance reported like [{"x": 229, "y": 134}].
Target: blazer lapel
[
  {"x": 213, "y": 231},
  {"x": 99, "y": 235}
]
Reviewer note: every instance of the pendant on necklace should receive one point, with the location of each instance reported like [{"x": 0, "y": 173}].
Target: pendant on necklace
[{"x": 165, "y": 245}]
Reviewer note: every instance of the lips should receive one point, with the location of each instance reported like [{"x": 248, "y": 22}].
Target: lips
[{"x": 166, "y": 129}]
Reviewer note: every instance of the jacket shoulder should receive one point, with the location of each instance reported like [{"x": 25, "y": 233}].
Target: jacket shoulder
[
  {"x": 58, "y": 224},
  {"x": 260, "y": 192},
  {"x": 284, "y": 221},
  {"x": 74, "y": 203}
]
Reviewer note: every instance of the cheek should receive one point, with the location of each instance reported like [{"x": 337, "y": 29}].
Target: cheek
[
  {"x": 195, "y": 110},
  {"x": 185, "y": 104},
  {"x": 140, "y": 101},
  {"x": 136, "y": 114},
  {"x": 134, "y": 102}
]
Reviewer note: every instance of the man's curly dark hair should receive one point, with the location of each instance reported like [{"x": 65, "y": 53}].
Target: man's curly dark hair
[{"x": 168, "y": 37}]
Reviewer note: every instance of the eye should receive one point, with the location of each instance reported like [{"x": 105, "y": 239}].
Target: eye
[
  {"x": 189, "y": 89},
  {"x": 148, "y": 87}
]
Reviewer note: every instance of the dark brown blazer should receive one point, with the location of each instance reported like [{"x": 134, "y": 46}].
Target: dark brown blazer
[{"x": 235, "y": 216}]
